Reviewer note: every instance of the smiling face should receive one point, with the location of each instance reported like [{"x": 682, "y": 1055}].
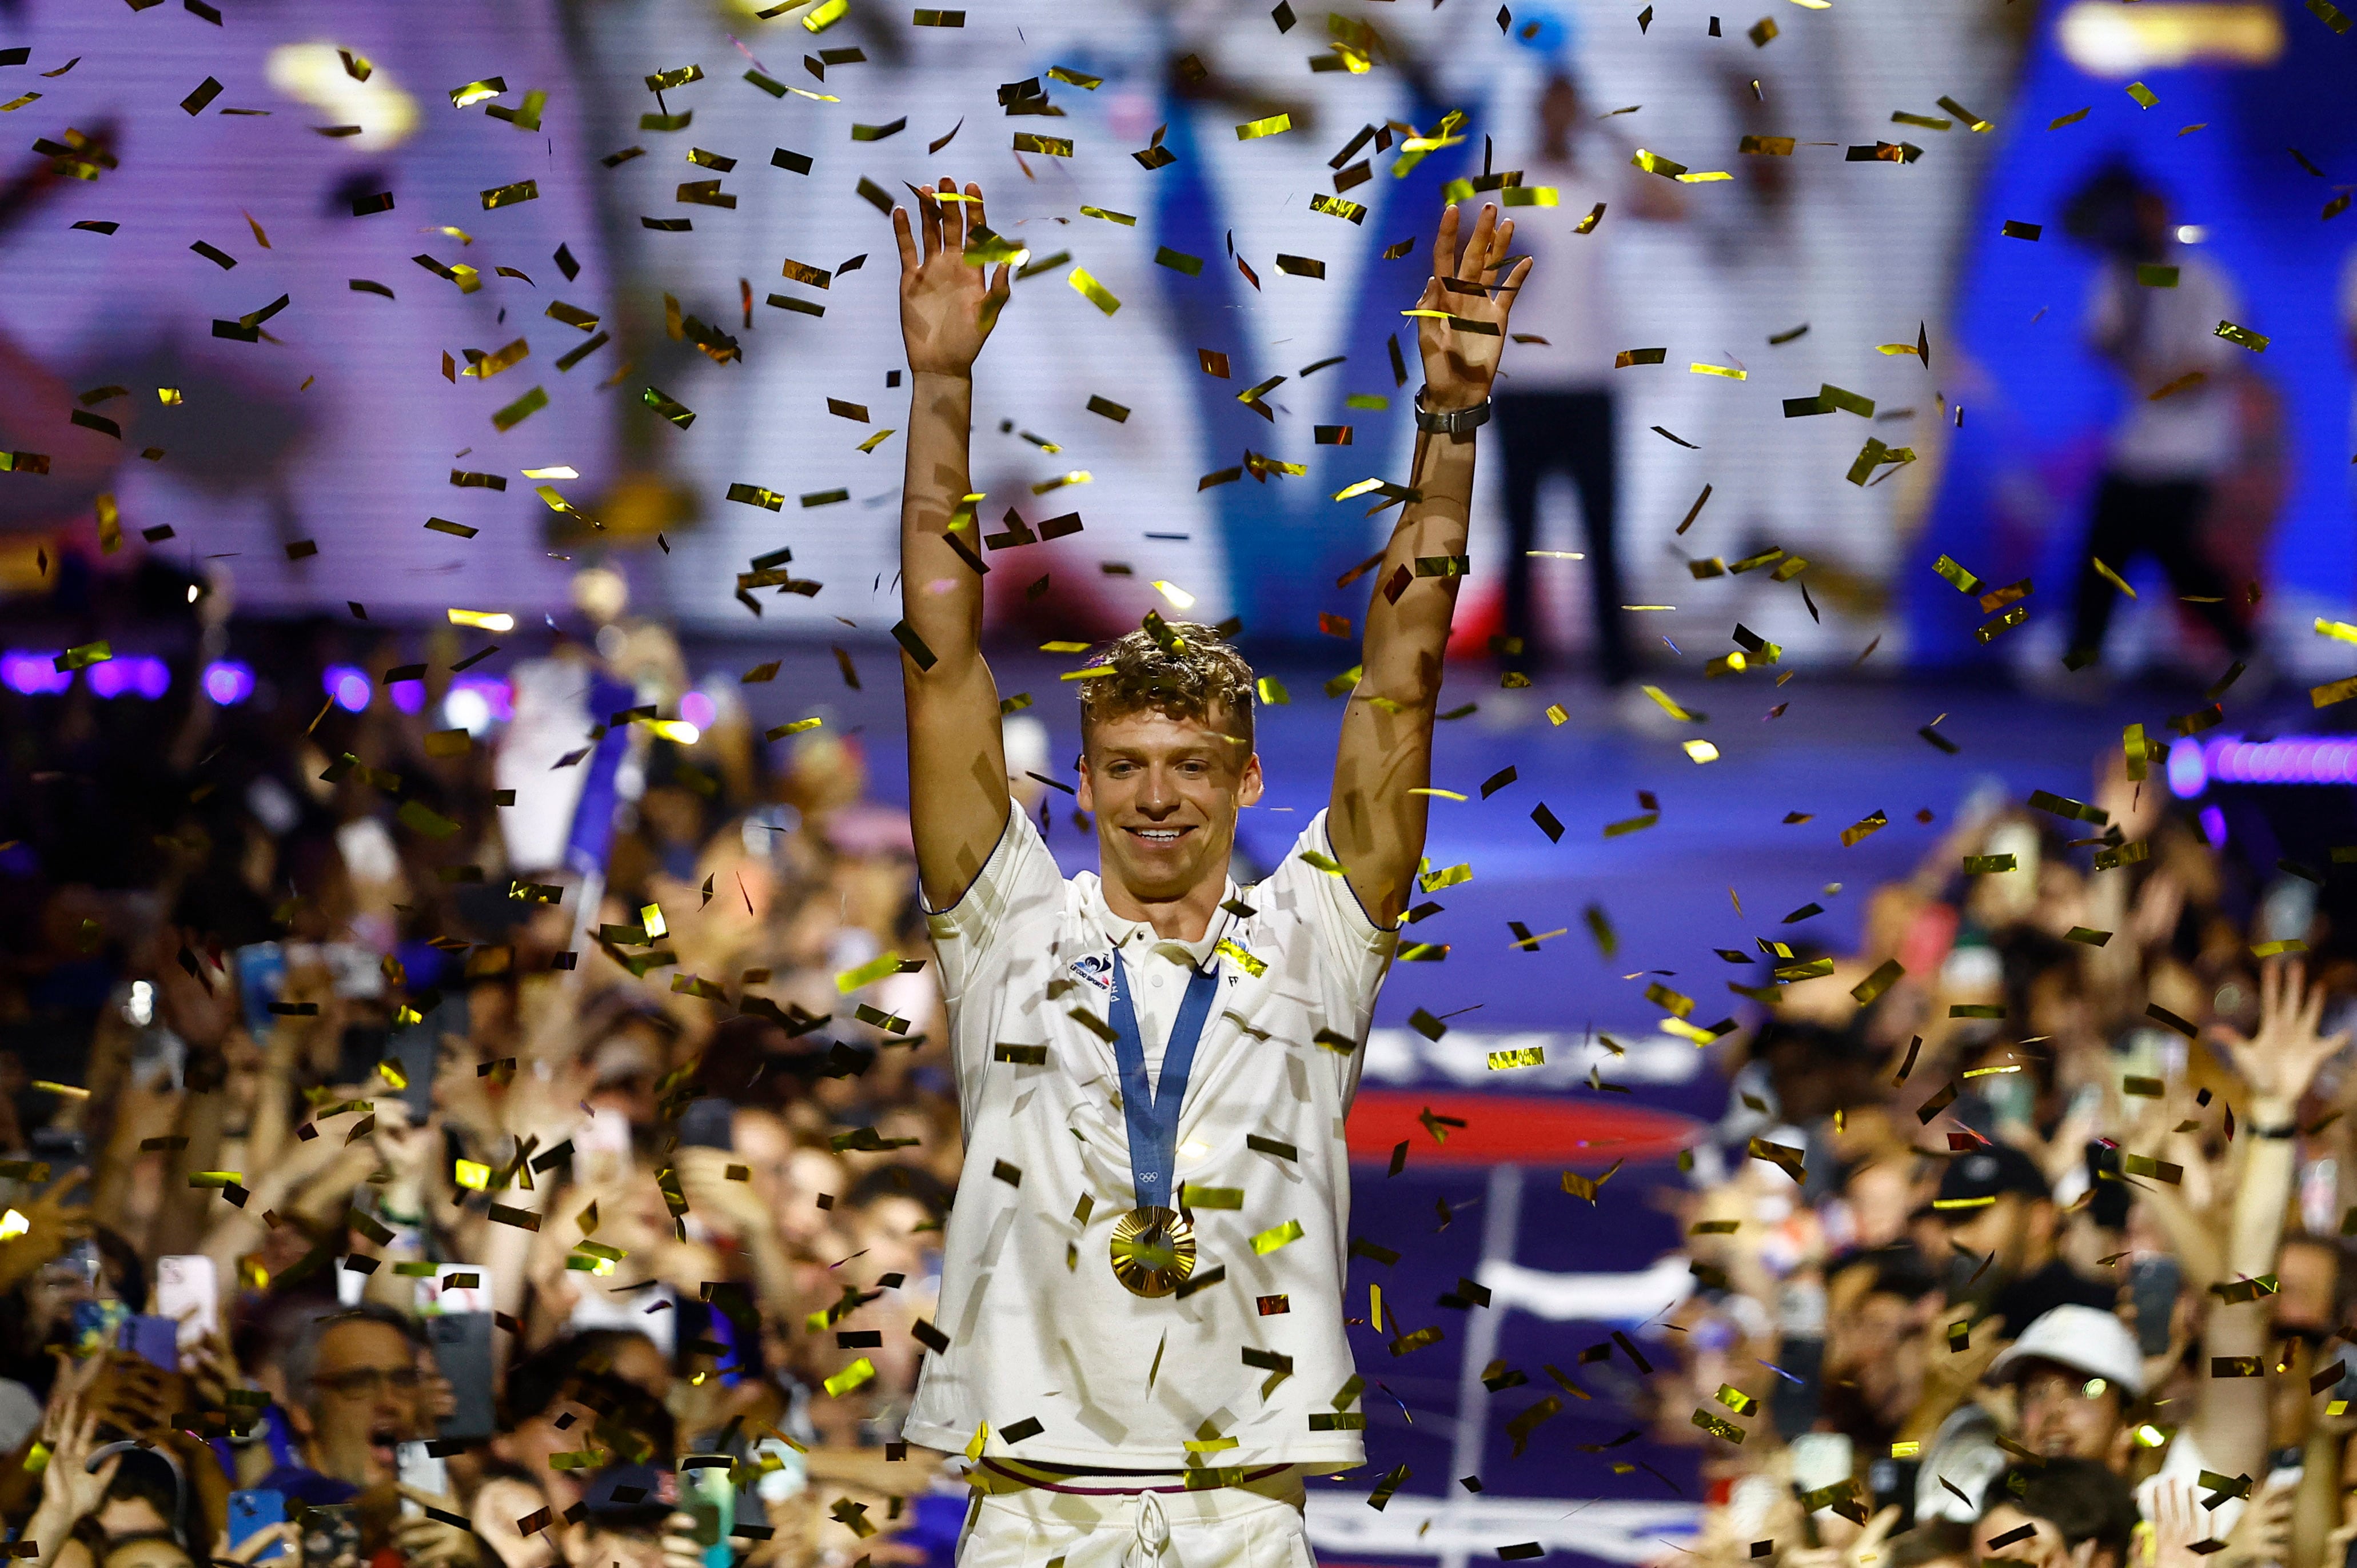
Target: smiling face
[
  {"x": 1166, "y": 791},
  {"x": 2068, "y": 1414}
]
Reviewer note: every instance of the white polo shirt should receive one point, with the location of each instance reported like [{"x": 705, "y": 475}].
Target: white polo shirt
[{"x": 1039, "y": 1328}]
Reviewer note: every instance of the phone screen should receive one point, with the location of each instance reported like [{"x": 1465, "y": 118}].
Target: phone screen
[
  {"x": 2154, "y": 1281},
  {"x": 461, "y": 1342},
  {"x": 155, "y": 1340},
  {"x": 251, "y": 1513},
  {"x": 188, "y": 1292},
  {"x": 709, "y": 1496},
  {"x": 261, "y": 975},
  {"x": 419, "y": 1471}
]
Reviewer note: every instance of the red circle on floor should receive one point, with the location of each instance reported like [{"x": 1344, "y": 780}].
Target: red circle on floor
[{"x": 1513, "y": 1129}]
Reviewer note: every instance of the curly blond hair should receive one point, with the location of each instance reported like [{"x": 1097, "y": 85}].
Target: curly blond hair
[{"x": 1182, "y": 668}]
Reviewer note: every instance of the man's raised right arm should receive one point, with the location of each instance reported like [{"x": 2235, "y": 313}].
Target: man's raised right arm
[{"x": 957, "y": 761}]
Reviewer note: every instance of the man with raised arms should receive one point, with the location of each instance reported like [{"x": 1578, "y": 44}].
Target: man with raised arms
[{"x": 1140, "y": 1336}]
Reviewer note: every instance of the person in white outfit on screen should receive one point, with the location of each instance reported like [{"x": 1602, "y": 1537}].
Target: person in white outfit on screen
[{"x": 1140, "y": 1339}]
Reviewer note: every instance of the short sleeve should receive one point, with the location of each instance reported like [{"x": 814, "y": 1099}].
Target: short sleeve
[
  {"x": 1019, "y": 878},
  {"x": 1347, "y": 937}
]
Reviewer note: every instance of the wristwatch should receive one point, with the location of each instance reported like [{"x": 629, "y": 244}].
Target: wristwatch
[{"x": 1455, "y": 422}]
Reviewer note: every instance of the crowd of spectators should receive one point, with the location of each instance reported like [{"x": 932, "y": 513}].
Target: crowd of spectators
[
  {"x": 347, "y": 1217},
  {"x": 348, "y": 1220},
  {"x": 2037, "y": 1255}
]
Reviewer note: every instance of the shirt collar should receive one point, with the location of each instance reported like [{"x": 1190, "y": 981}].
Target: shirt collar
[{"x": 1136, "y": 937}]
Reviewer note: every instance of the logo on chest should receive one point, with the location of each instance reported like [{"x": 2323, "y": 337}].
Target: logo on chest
[{"x": 1096, "y": 968}]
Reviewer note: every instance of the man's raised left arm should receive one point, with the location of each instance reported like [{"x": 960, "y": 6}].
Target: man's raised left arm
[{"x": 1375, "y": 822}]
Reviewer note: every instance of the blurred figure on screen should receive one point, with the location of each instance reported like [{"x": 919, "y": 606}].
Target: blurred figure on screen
[
  {"x": 1556, "y": 413},
  {"x": 72, "y": 463},
  {"x": 2153, "y": 312}
]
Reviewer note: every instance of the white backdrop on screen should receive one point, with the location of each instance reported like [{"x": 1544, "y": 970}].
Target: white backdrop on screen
[
  {"x": 1856, "y": 250},
  {"x": 360, "y": 459}
]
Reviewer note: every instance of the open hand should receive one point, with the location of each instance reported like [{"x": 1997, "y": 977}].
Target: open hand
[
  {"x": 2264, "y": 1532},
  {"x": 946, "y": 309},
  {"x": 69, "y": 1484},
  {"x": 2281, "y": 1059},
  {"x": 55, "y": 1221},
  {"x": 1460, "y": 356}
]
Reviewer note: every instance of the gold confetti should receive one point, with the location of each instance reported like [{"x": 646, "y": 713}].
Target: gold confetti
[
  {"x": 861, "y": 1370},
  {"x": 867, "y": 974},
  {"x": 1668, "y": 704},
  {"x": 1095, "y": 292},
  {"x": 509, "y": 195},
  {"x": 2108, "y": 575},
  {"x": 1277, "y": 1236},
  {"x": 1253, "y": 130}
]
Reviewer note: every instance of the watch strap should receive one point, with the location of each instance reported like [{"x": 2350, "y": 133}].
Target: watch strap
[{"x": 1451, "y": 421}]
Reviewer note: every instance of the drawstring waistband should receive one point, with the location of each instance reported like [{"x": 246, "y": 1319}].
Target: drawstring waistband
[
  {"x": 1006, "y": 1480},
  {"x": 1153, "y": 1533}
]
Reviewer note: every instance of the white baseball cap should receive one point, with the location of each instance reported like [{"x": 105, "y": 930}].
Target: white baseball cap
[{"x": 2085, "y": 1339}]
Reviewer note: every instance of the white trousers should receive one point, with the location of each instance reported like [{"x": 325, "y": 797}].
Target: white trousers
[{"x": 1230, "y": 1527}]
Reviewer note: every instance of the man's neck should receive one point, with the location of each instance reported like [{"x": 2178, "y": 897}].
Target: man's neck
[{"x": 1184, "y": 919}]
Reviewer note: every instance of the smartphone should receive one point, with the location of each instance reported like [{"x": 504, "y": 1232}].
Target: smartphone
[
  {"x": 96, "y": 1325},
  {"x": 251, "y": 1513},
  {"x": 422, "y": 1472},
  {"x": 1820, "y": 1459},
  {"x": 708, "y": 1124},
  {"x": 2154, "y": 1281},
  {"x": 461, "y": 1342},
  {"x": 260, "y": 976},
  {"x": 707, "y": 1496},
  {"x": 1891, "y": 1483},
  {"x": 352, "y": 970},
  {"x": 188, "y": 1292},
  {"x": 154, "y": 1339},
  {"x": 332, "y": 1534}
]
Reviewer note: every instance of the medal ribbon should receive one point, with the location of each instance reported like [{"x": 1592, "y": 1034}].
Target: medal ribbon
[{"x": 1153, "y": 1115}]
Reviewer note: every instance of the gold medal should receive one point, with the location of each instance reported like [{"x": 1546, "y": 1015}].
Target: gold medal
[{"x": 1153, "y": 1250}]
